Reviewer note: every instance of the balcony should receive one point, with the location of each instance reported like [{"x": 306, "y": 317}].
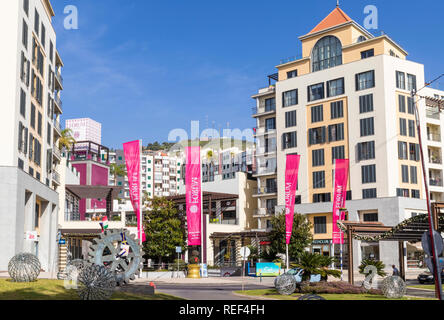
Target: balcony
[
  {"x": 56, "y": 152},
  {"x": 265, "y": 191},
  {"x": 264, "y": 131},
  {"x": 434, "y": 137},
  {"x": 57, "y": 127},
  {"x": 263, "y": 110},
  {"x": 58, "y": 103},
  {"x": 262, "y": 151},
  {"x": 264, "y": 212},
  {"x": 220, "y": 220},
  {"x": 432, "y": 113},
  {"x": 435, "y": 178},
  {"x": 59, "y": 79},
  {"x": 56, "y": 177},
  {"x": 435, "y": 157},
  {"x": 265, "y": 171}
]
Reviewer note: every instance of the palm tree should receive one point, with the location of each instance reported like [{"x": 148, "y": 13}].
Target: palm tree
[
  {"x": 117, "y": 170},
  {"x": 313, "y": 263},
  {"x": 66, "y": 140}
]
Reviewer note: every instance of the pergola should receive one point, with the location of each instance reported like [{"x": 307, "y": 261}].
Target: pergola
[{"x": 410, "y": 230}]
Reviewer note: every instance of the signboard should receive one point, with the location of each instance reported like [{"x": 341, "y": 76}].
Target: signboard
[
  {"x": 62, "y": 241},
  {"x": 267, "y": 269},
  {"x": 321, "y": 242},
  {"x": 31, "y": 236},
  {"x": 245, "y": 253},
  {"x": 203, "y": 270},
  {"x": 178, "y": 249}
]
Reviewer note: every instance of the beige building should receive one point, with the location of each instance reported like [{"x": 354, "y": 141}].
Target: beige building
[{"x": 347, "y": 97}]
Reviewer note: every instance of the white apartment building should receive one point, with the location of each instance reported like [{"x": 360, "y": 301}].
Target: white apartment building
[
  {"x": 348, "y": 96},
  {"x": 31, "y": 83}
]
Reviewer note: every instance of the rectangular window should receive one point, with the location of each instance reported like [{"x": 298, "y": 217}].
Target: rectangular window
[
  {"x": 39, "y": 123},
  {"x": 290, "y": 98},
  {"x": 410, "y": 106},
  {"x": 320, "y": 225},
  {"x": 370, "y": 217},
  {"x": 36, "y": 22},
  {"x": 318, "y": 179},
  {"x": 317, "y": 113},
  {"x": 367, "y": 53},
  {"x": 317, "y": 157},
  {"x": 402, "y": 150},
  {"x": 337, "y": 109},
  {"x": 335, "y": 87},
  {"x": 400, "y": 80},
  {"x": 414, "y": 151},
  {"x": 48, "y": 133},
  {"x": 289, "y": 140},
  {"x": 43, "y": 36},
  {"x": 270, "y": 124},
  {"x": 365, "y": 80},
  {"x": 292, "y": 74},
  {"x": 51, "y": 52},
  {"x": 402, "y": 192},
  {"x": 290, "y": 119},
  {"x": 317, "y": 135},
  {"x": 23, "y": 103},
  {"x": 413, "y": 175},
  {"x": 21, "y": 164},
  {"x": 270, "y": 104},
  {"x": 412, "y": 128},
  {"x": 337, "y": 153},
  {"x": 316, "y": 92},
  {"x": 402, "y": 127},
  {"x": 321, "y": 197},
  {"x": 369, "y": 193},
  {"x": 405, "y": 173},
  {"x": 401, "y": 102},
  {"x": 25, "y": 35},
  {"x": 366, "y": 103},
  {"x": 32, "y": 116},
  {"x": 26, "y": 6},
  {"x": 415, "y": 194},
  {"x": 368, "y": 174},
  {"x": 411, "y": 82},
  {"x": 336, "y": 132},
  {"x": 366, "y": 150},
  {"x": 367, "y": 127}
]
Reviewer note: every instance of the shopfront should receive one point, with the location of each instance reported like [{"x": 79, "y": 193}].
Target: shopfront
[{"x": 323, "y": 247}]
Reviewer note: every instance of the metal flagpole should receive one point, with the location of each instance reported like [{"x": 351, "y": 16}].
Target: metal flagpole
[
  {"x": 140, "y": 204},
  {"x": 288, "y": 258},
  {"x": 340, "y": 258}
]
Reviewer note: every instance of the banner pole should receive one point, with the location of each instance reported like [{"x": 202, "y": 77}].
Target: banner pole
[
  {"x": 140, "y": 204},
  {"x": 288, "y": 258},
  {"x": 340, "y": 255}
]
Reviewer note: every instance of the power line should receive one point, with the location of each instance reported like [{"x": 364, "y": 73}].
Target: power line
[{"x": 429, "y": 83}]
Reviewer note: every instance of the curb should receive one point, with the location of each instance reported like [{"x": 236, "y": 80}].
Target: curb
[{"x": 252, "y": 297}]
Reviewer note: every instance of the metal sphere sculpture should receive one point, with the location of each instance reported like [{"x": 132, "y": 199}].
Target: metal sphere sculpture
[
  {"x": 285, "y": 284},
  {"x": 311, "y": 297},
  {"x": 393, "y": 287},
  {"x": 24, "y": 267},
  {"x": 96, "y": 283},
  {"x": 74, "y": 268}
]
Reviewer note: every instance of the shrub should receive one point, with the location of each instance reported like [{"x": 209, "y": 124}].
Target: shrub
[{"x": 337, "y": 287}]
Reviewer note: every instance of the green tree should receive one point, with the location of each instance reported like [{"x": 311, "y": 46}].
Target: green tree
[
  {"x": 117, "y": 170},
  {"x": 66, "y": 140},
  {"x": 314, "y": 263},
  {"x": 301, "y": 237},
  {"x": 164, "y": 230}
]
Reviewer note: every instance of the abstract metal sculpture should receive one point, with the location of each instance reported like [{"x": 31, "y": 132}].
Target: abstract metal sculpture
[
  {"x": 74, "y": 268},
  {"x": 311, "y": 297},
  {"x": 285, "y": 284},
  {"x": 119, "y": 252},
  {"x": 24, "y": 267},
  {"x": 393, "y": 287},
  {"x": 96, "y": 283}
]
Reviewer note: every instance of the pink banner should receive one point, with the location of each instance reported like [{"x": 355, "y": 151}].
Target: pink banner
[
  {"x": 193, "y": 195},
  {"x": 339, "y": 196},
  {"x": 291, "y": 183},
  {"x": 131, "y": 151}
]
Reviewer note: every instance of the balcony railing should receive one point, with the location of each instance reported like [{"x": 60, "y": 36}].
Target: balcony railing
[
  {"x": 434, "y": 137},
  {"x": 436, "y": 182},
  {"x": 264, "y": 212},
  {"x": 59, "y": 77},
  {"x": 432, "y": 113},
  {"x": 266, "y": 170},
  {"x": 263, "y": 109},
  {"x": 57, "y": 125},
  {"x": 72, "y": 216},
  {"x": 220, "y": 220},
  {"x": 435, "y": 159},
  {"x": 265, "y": 190},
  {"x": 56, "y": 177},
  {"x": 56, "y": 151},
  {"x": 58, "y": 101},
  {"x": 265, "y": 150}
]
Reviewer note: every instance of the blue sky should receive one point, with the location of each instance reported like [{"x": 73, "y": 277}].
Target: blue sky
[{"x": 143, "y": 68}]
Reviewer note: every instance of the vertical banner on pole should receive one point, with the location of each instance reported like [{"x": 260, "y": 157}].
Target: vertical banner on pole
[
  {"x": 340, "y": 194},
  {"x": 193, "y": 195},
  {"x": 131, "y": 152},
  {"x": 291, "y": 182}
]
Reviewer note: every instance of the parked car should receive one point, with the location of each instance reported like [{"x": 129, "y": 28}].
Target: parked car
[
  {"x": 429, "y": 277},
  {"x": 297, "y": 273}
]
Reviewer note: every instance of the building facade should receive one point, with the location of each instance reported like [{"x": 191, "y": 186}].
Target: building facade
[
  {"x": 348, "y": 97},
  {"x": 31, "y": 84},
  {"x": 85, "y": 129}
]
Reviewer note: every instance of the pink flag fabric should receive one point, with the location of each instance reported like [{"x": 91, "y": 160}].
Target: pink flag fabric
[
  {"x": 340, "y": 194},
  {"x": 193, "y": 195},
  {"x": 131, "y": 151},
  {"x": 291, "y": 183}
]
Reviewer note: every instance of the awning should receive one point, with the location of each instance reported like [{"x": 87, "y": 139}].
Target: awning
[{"x": 94, "y": 192}]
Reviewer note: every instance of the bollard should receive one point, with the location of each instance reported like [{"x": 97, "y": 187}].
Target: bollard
[{"x": 261, "y": 276}]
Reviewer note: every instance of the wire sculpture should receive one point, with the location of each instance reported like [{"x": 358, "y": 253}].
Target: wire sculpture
[
  {"x": 24, "y": 267},
  {"x": 285, "y": 284},
  {"x": 74, "y": 268},
  {"x": 96, "y": 283},
  {"x": 311, "y": 297},
  {"x": 393, "y": 287}
]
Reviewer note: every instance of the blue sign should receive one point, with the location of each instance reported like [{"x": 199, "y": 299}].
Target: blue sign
[
  {"x": 62, "y": 241},
  {"x": 203, "y": 270},
  {"x": 178, "y": 249},
  {"x": 267, "y": 269}
]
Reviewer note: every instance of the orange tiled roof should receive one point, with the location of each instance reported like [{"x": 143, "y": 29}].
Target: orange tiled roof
[{"x": 336, "y": 17}]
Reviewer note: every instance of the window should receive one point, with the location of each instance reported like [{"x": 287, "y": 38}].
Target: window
[
  {"x": 336, "y": 132},
  {"x": 290, "y": 119},
  {"x": 317, "y": 113},
  {"x": 24, "y": 70},
  {"x": 414, "y": 151},
  {"x": 367, "y": 53},
  {"x": 366, "y": 150},
  {"x": 368, "y": 174},
  {"x": 335, "y": 87},
  {"x": 23, "y": 103},
  {"x": 316, "y": 92},
  {"x": 369, "y": 193},
  {"x": 370, "y": 217},
  {"x": 400, "y": 80},
  {"x": 292, "y": 74},
  {"x": 316, "y": 135},
  {"x": 413, "y": 175},
  {"x": 411, "y": 82},
  {"x": 401, "y": 102},
  {"x": 36, "y": 22},
  {"x": 320, "y": 225},
  {"x": 412, "y": 128},
  {"x": 51, "y": 52},
  {"x": 318, "y": 157},
  {"x": 321, "y": 197},
  {"x": 337, "y": 109},
  {"x": 43, "y": 36},
  {"x": 415, "y": 194},
  {"x": 39, "y": 124},
  {"x": 337, "y": 153},
  {"x": 21, "y": 164},
  {"x": 405, "y": 173},
  {"x": 32, "y": 116},
  {"x": 402, "y": 127},
  {"x": 318, "y": 179},
  {"x": 410, "y": 106},
  {"x": 289, "y": 140},
  {"x": 290, "y": 98},
  {"x": 402, "y": 150},
  {"x": 365, "y": 80},
  {"x": 48, "y": 133},
  {"x": 270, "y": 104},
  {"x": 366, "y": 103},
  {"x": 25, "y": 34},
  {"x": 367, "y": 127},
  {"x": 270, "y": 124},
  {"x": 26, "y": 6},
  {"x": 402, "y": 192},
  {"x": 327, "y": 53}
]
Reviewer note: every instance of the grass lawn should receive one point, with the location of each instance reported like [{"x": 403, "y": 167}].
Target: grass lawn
[
  {"x": 424, "y": 286},
  {"x": 272, "y": 293},
  {"x": 43, "y": 289}
]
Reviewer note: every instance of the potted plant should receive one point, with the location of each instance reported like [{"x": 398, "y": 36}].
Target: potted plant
[{"x": 193, "y": 266}]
